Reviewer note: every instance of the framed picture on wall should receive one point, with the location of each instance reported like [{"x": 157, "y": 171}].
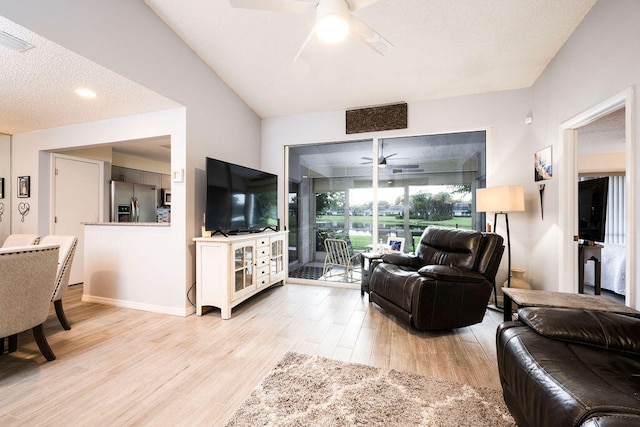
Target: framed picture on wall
[
  {"x": 24, "y": 186},
  {"x": 1, "y": 188},
  {"x": 543, "y": 168}
]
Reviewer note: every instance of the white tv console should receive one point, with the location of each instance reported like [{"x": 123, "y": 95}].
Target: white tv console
[{"x": 231, "y": 269}]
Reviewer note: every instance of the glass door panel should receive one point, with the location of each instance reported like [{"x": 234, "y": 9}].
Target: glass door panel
[
  {"x": 243, "y": 267},
  {"x": 367, "y": 191}
]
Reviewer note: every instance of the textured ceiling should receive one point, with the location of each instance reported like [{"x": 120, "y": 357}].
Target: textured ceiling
[
  {"x": 605, "y": 135},
  {"x": 442, "y": 49},
  {"x": 37, "y": 87}
]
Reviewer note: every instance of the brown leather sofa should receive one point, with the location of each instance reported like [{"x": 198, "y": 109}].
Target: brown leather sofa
[
  {"x": 570, "y": 367},
  {"x": 446, "y": 284}
]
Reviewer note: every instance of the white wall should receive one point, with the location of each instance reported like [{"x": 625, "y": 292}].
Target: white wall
[
  {"x": 140, "y": 163},
  {"x": 5, "y": 173},
  {"x": 155, "y": 274},
  {"x": 126, "y": 37},
  {"x": 602, "y": 163},
  {"x": 502, "y": 113},
  {"x": 598, "y": 61}
]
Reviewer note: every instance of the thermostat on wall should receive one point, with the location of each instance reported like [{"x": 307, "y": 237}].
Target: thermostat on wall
[{"x": 177, "y": 175}]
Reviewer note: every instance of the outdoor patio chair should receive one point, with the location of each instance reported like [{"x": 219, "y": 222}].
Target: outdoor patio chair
[{"x": 340, "y": 259}]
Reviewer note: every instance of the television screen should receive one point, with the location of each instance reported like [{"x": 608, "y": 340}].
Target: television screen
[
  {"x": 240, "y": 199},
  {"x": 592, "y": 209}
]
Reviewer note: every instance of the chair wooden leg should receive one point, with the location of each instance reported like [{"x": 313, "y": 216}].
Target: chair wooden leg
[
  {"x": 1, "y": 345},
  {"x": 13, "y": 343},
  {"x": 60, "y": 313},
  {"x": 43, "y": 345}
]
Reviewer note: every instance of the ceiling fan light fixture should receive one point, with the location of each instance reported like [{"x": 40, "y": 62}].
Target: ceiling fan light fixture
[
  {"x": 332, "y": 20},
  {"x": 332, "y": 28}
]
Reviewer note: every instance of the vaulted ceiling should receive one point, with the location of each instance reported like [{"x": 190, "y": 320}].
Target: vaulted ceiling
[{"x": 442, "y": 49}]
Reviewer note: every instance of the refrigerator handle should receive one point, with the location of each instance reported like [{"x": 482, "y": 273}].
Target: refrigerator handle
[{"x": 134, "y": 209}]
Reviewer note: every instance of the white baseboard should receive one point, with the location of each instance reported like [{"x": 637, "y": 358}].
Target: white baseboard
[
  {"x": 187, "y": 311},
  {"x": 327, "y": 283}
]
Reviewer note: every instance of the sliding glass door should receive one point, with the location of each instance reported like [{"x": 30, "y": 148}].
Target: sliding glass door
[{"x": 369, "y": 191}]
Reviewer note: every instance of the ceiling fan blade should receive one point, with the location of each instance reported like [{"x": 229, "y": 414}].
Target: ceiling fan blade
[
  {"x": 367, "y": 158},
  {"x": 288, "y": 6},
  {"x": 371, "y": 38},
  {"x": 300, "y": 55},
  {"x": 391, "y": 155},
  {"x": 359, "y": 4}
]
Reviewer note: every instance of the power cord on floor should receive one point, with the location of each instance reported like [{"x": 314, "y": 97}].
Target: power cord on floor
[{"x": 189, "y": 291}]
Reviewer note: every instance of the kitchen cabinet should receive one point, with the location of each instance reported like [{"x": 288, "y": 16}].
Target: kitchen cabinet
[
  {"x": 152, "y": 178},
  {"x": 134, "y": 176},
  {"x": 229, "y": 270},
  {"x": 166, "y": 181}
]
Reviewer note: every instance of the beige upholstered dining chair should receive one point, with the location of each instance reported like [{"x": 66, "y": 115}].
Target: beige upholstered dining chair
[
  {"x": 21, "y": 240},
  {"x": 27, "y": 276},
  {"x": 68, "y": 246}
]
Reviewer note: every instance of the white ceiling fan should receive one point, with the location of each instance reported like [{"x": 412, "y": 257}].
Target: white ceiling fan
[{"x": 334, "y": 20}]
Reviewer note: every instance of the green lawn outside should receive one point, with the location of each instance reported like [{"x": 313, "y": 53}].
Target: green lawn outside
[
  {"x": 360, "y": 242},
  {"x": 461, "y": 222}
]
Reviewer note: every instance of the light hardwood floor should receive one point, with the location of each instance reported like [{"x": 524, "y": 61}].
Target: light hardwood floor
[{"x": 119, "y": 366}]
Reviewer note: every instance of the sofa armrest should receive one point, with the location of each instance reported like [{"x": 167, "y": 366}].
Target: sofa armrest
[
  {"x": 407, "y": 260},
  {"x": 451, "y": 274},
  {"x": 606, "y": 330}
]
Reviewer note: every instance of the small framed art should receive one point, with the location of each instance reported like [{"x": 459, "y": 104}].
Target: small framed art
[
  {"x": 395, "y": 244},
  {"x": 1, "y": 188},
  {"x": 543, "y": 168},
  {"x": 24, "y": 186}
]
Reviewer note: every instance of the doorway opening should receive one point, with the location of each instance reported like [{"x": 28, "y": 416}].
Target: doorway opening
[{"x": 573, "y": 163}]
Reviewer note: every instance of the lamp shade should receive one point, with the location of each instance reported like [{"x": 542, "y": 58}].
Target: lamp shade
[{"x": 509, "y": 198}]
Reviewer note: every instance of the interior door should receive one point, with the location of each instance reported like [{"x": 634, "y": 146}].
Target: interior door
[{"x": 77, "y": 195}]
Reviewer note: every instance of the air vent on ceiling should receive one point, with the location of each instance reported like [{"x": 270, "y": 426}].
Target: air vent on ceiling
[{"x": 14, "y": 43}]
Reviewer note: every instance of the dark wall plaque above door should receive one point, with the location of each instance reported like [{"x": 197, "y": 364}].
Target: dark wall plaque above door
[{"x": 385, "y": 117}]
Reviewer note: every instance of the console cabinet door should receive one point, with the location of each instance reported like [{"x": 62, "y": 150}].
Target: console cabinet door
[
  {"x": 277, "y": 261},
  {"x": 243, "y": 274}
]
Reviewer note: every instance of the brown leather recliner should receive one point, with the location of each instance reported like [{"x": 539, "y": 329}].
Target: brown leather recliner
[
  {"x": 570, "y": 367},
  {"x": 446, "y": 284}
]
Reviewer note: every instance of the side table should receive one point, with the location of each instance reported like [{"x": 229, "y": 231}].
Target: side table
[
  {"x": 533, "y": 298},
  {"x": 589, "y": 253},
  {"x": 368, "y": 256}
]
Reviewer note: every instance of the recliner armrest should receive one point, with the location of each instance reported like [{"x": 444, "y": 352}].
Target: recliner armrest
[
  {"x": 611, "y": 331},
  {"x": 408, "y": 260},
  {"x": 451, "y": 274}
]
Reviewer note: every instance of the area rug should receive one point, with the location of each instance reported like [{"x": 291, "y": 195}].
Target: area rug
[
  {"x": 307, "y": 272},
  {"x": 307, "y": 390}
]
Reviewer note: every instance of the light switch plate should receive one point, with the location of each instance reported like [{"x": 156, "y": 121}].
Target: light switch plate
[{"x": 177, "y": 175}]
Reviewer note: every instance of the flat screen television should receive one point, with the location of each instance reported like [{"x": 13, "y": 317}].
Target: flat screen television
[
  {"x": 592, "y": 209},
  {"x": 240, "y": 199}
]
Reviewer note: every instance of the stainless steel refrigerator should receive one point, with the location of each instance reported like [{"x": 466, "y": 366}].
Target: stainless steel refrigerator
[{"x": 133, "y": 202}]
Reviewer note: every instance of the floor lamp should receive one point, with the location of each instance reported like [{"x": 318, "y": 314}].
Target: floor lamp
[{"x": 501, "y": 200}]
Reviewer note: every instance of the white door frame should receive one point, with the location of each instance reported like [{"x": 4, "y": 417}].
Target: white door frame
[{"x": 568, "y": 194}]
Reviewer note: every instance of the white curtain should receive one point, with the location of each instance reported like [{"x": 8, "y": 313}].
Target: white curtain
[{"x": 615, "y": 225}]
